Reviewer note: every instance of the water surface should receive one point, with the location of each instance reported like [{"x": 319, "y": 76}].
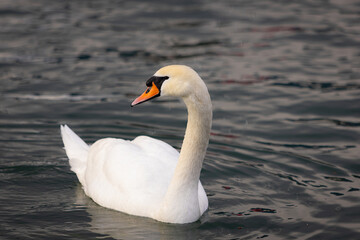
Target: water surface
[{"x": 283, "y": 159}]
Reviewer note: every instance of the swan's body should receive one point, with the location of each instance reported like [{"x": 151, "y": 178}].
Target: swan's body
[{"x": 147, "y": 177}]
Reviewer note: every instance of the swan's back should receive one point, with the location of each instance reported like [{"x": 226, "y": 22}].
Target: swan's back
[{"x": 133, "y": 177}]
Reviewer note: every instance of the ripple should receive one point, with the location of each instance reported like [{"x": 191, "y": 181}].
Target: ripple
[
  {"x": 338, "y": 179},
  {"x": 320, "y": 86},
  {"x": 335, "y": 121},
  {"x": 282, "y": 162}
]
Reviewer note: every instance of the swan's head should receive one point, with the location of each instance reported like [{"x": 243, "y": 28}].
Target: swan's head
[{"x": 174, "y": 80}]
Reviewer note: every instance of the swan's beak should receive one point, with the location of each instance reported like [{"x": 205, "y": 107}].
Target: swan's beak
[{"x": 150, "y": 93}]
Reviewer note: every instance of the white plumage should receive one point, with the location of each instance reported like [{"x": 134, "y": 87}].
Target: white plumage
[{"x": 148, "y": 177}]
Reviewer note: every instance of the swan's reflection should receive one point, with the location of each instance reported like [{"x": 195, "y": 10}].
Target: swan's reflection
[{"x": 123, "y": 226}]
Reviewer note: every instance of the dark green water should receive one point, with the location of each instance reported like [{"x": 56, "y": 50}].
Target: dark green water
[{"x": 283, "y": 160}]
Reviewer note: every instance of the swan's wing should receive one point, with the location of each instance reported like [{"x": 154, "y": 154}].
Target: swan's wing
[
  {"x": 144, "y": 162},
  {"x": 126, "y": 174},
  {"x": 156, "y": 148}
]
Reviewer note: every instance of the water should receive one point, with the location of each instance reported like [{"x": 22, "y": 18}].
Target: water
[{"x": 283, "y": 159}]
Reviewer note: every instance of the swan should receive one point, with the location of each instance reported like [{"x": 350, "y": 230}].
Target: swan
[{"x": 148, "y": 177}]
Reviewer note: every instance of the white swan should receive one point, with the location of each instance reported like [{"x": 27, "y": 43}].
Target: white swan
[{"x": 147, "y": 177}]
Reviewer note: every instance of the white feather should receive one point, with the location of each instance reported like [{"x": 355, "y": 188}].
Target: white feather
[
  {"x": 76, "y": 150},
  {"x": 148, "y": 177}
]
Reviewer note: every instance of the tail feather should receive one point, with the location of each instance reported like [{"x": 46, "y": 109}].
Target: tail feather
[{"x": 76, "y": 150}]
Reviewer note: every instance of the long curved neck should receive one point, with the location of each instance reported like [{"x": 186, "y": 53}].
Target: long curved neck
[
  {"x": 182, "y": 198},
  {"x": 195, "y": 142}
]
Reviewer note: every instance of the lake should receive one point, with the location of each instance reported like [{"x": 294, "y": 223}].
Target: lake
[{"x": 283, "y": 158}]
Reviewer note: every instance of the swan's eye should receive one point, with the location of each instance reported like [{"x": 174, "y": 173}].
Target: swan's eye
[{"x": 157, "y": 80}]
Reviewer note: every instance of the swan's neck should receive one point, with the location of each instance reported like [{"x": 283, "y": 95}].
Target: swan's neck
[
  {"x": 182, "y": 197},
  {"x": 195, "y": 143}
]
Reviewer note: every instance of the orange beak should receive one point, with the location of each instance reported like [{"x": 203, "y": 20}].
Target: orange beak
[{"x": 150, "y": 93}]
